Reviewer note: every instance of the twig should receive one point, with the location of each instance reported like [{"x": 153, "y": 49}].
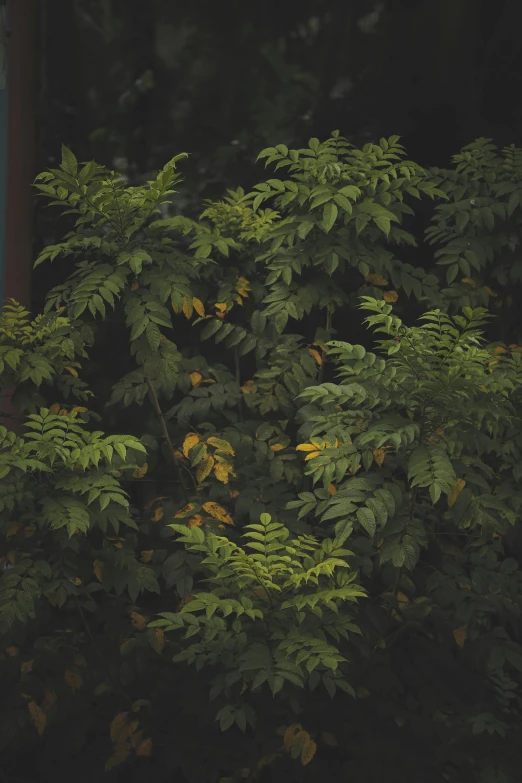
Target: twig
[{"x": 166, "y": 435}]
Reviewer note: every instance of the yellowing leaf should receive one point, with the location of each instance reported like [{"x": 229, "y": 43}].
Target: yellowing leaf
[
  {"x": 378, "y": 455},
  {"x": 221, "y": 307},
  {"x": 135, "y": 286},
  {"x": 460, "y": 635},
  {"x": 73, "y": 680},
  {"x": 221, "y": 445},
  {"x": 71, "y": 370},
  {"x": 306, "y": 447},
  {"x": 316, "y": 355},
  {"x": 233, "y": 492},
  {"x": 190, "y": 441},
  {"x": 118, "y": 724},
  {"x": 376, "y": 280},
  {"x": 158, "y": 514},
  {"x": 277, "y": 447},
  {"x": 138, "y": 621},
  {"x": 222, "y": 472},
  {"x": 38, "y": 717},
  {"x": 195, "y": 521},
  {"x": 121, "y": 754},
  {"x": 312, "y": 455},
  {"x": 390, "y": 296},
  {"x": 459, "y": 486},
  {"x": 13, "y": 652},
  {"x": 332, "y": 489},
  {"x": 308, "y": 751},
  {"x": 55, "y": 408},
  {"x": 79, "y": 409},
  {"x": 469, "y": 281},
  {"x": 249, "y": 387},
  {"x": 490, "y": 291},
  {"x": 290, "y": 734},
  {"x": 198, "y": 307},
  {"x": 13, "y": 529},
  {"x": 402, "y": 598},
  {"x": 218, "y": 512},
  {"x": 185, "y": 511},
  {"x": 195, "y": 379},
  {"x": 27, "y": 667},
  {"x": 204, "y": 468},
  {"x": 145, "y": 749},
  {"x": 146, "y": 555},
  {"x": 98, "y": 570},
  {"x": 140, "y": 472},
  {"x": 188, "y": 307}
]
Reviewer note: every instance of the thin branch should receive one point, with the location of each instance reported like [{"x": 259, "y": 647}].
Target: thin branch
[{"x": 166, "y": 435}]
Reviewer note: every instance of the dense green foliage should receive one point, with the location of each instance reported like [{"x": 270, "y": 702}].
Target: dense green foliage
[{"x": 330, "y": 570}]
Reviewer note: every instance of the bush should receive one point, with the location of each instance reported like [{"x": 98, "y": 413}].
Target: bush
[{"x": 325, "y": 522}]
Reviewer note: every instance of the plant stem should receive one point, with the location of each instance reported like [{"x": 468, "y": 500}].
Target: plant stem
[{"x": 166, "y": 435}]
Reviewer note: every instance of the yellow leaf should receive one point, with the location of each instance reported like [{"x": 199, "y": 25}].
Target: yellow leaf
[
  {"x": 378, "y": 455},
  {"x": 190, "y": 441},
  {"x": 402, "y": 598},
  {"x": 195, "y": 379},
  {"x": 221, "y": 307},
  {"x": 249, "y": 387},
  {"x": 71, "y": 370},
  {"x": 316, "y": 355},
  {"x": 244, "y": 687},
  {"x": 13, "y": 529},
  {"x": 118, "y": 724},
  {"x": 221, "y": 445},
  {"x": 204, "y": 468},
  {"x": 121, "y": 754},
  {"x": 332, "y": 489},
  {"x": 73, "y": 680},
  {"x": 135, "y": 286},
  {"x": 198, "y": 307},
  {"x": 146, "y": 555},
  {"x": 98, "y": 570},
  {"x": 218, "y": 512},
  {"x": 308, "y": 751},
  {"x": 233, "y": 492},
  {"x": 277, "y": 447},
  {"x": 158, "y": 514},
  {"x": 145, "y": 749},
  {"x": 27, "y": 667},
  {"x": 221, "y": 472},
  {"x": 79, "y": 409},
  {"x": 460, "y": 635},
  {"x": 490, "y": 291},
  {"x": 187, "y": 307},
  {"x": 55, "y": 408},
  {"x": 185, "y": 511},
  {"x": 312, "y": 455},
  {"x": 138, "y": 621},
  {"x": 306, "y": 447},
  {"x": 459, "y": 486},
  {"x": 63, "y": 412},
  {"x": 38, "y": 717},
  {"x": 469, "y": 281},
  {"x": 390, "y": 296},
  {"x": 290, "y": 734},
  {"x": 13, "y": 652},
  {"x": 195, "y": 521},
  {"x": 500, "y": 349},
  {"x": 140, "y": 472},
  {"x": 376, "y": 280}
]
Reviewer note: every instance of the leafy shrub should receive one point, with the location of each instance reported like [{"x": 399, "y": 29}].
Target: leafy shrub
[{"x": 298, "y": 444}]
